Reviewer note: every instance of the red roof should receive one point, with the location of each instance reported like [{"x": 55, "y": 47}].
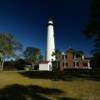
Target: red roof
[{"x": 44, "y": 62}]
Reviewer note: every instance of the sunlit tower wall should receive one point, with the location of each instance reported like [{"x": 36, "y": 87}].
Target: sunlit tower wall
[{"x": 50, "y": 41}]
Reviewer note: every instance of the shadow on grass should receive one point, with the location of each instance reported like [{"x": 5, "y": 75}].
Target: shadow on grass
[
  {"x": 67, "y": 75},
  {"x": 71, "y": 74},
  {"x": 20, "y": 92},
  {"x": 67, "y": 98}
]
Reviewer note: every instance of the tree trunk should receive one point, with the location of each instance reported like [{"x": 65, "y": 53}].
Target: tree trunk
[
  {"x": 2, "y": 65},
  {"x": 57, "y": 63},
  {"x": 32, "y": 65}
]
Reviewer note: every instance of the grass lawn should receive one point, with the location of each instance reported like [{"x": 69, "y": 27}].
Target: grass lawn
[{"x": 41, "y": 86}]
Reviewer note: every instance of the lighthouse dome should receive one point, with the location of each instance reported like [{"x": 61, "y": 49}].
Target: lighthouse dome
[{"x": 50, "y": 21}]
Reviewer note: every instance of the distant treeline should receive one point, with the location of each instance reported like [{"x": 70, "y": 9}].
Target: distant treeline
[
  {"x": 16, "y": 65},
  {"x": 20, "y": 64}
]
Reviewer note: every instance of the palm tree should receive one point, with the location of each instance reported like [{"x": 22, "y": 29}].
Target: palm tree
[{"x": 57, "y": 55}]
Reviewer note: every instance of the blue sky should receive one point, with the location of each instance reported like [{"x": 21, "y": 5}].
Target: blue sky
[{"x": 27, "y": 20}]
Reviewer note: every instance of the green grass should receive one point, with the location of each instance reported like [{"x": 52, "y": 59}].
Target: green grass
[{"x": 71, "y": 85}]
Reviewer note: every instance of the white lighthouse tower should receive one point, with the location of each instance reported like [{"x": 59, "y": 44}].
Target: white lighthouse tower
[
  {"x": 50, "y": 41},
  {"x": 50, "y": 48}
]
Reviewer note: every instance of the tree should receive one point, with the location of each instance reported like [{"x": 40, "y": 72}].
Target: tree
[
  {"x": 95, "y": 61},
  {"x": 20, "y": 63},
  {"x": 92, "y": 28},
  {"x": 32, "y": 54},
  {"x": 57, "y": 55},
  {"x": 8, "y": 47}
]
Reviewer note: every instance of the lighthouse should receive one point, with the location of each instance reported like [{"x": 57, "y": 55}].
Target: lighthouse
[
  {"x": 50, "y": 48},
  {"x": 50, "y": 41}
]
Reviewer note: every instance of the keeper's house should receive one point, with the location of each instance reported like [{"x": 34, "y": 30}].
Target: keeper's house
[{"x": 71, "y": 60}]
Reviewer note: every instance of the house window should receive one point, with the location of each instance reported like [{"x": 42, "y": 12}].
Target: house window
[
  {"x": 66, "y": 56},
  {"x": 73, "y": 56},
  {"x": 66, "y": 64},
  {"x": 63, "y": 64},
  {"x": 85, "y": 64},
  {"x": 74, "y": 64},
  {"x": 63, "y": 57},
  {"x": 77, "y": 63}
]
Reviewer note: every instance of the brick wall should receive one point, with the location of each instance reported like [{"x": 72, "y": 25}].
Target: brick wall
[{"x": 69, "y": 60}]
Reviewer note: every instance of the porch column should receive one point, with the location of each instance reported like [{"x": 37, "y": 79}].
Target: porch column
[{"x": 89, "y": 65}]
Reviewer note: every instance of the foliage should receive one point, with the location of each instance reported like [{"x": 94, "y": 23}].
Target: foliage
[
  {"x": 55, "y": 64},
  {"x": 56, "y": 53},
  {"x": 92, "y": 29},
  {"x": 20, "y": 64},
  {"x": 32, "y": 54},
  {"x": 95, "y": 61},
  {"x": 8, "y": 46}
]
